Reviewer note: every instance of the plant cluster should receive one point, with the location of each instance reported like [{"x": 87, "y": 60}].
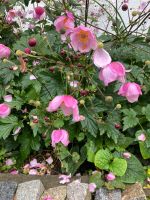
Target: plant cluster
[{"x": 79, "y": 94}]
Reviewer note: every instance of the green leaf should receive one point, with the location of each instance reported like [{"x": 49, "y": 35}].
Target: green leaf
[
  {"x": 146, "y": 112},
  {"x": 102, "y": 159},
  {"x": 118, "y": 166},
  {"x": 145, "y": 151},
  {"x": 9, "y": 120},
  {"x": 97, "y": 179},
  {"x": 89, "y": 124},
  {"x": 135, "y": 172},
  {"x": 130, "y": 120},
  {"x": 58, "y": 123},
  {"x": 91, "y": 150},
  {"x": 5, "y": 130},
  {"x": 117, "y": 183},
  {"x": 109, "y": 128}
]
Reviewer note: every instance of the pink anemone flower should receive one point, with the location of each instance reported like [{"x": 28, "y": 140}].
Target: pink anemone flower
[
  {"x": 112, "y": 72},
  {"x": 131, "y": 91},
  {"x": 68, "y": 105},
  {"x": 83, "y": 39},
  {"x": 60, "y": 135},
  {"x": 4, "y": 110}
]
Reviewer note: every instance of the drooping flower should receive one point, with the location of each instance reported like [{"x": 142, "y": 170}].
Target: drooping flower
[
  {"x": 64, "y": 178},
  {"x": 9, "y": 162},
  {"x": 142, "y": 137},
  {"x": 101, "y": 58},
  {"x": 7, "y": 98},
  {"x": 60, "y": 135},
  {"x": 39, "y": 13},
  {"x": 131, "y": 91},
  {"x": 110, "y": 177},
  {"x": 83, "y": 39},
  {"x": 64, "y": 23},
  {"x": 4, "y": 51},
  {"x": 112, "y": 72},
  {"x": 68, "y": 105},
  {"x": 92, "y": 187},
  {"x": 4, "y": 110},
  {"x": 127, "y": 155}
]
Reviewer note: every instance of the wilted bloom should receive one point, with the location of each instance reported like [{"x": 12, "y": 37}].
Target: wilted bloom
[
  {"x": 64, "y": 23},
  {"x": 33, "y": 172},
  {"x": 49, "y": 160},
  {"x": 112, "y": 72},
  {"x": 68, "y": 105},
  {"x": 131, "y": 91},
  {"x": 4, "y": 51},
  {"x": 8, "y": 98},
  {"x": 4, "y": 110},
  {"x": 142, "y": 137},
  {"x": 9, "y": 162},
  {"x": 39, "y": 13},
  {"x": 10, "y": 16},
  {"x": 101, "y": 58},
  {"x": 34, "y": 164},
  {"x": 126, "y": 155},
  {"x": 92, "y": 187},
  {"x": 110, "y": 177},
  {"x": 64, "y": 178},
  {"x": 60, "y": 136},
  {"x": 83, "y": 39},
  {"x": 14, "y": 172}
]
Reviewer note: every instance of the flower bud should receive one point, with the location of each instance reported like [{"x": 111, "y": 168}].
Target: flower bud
[
  {"x": 147, "y": 62},
  {"x": 100, "y": 45},
  {"x": 5, "y": 60},
  {"x": 110, "y": 177},
  {"x": 134, "y": 13},
  {"x": 126, "y": 155},
  {"x": 142, "y": 137},
  {"x": 82, "y": 102},
  {"x": 109, "y": 99},
  {"x": 37, "y": 103},
  {"x": 19, "y": 53},
  {"x": 118, "y": 106}
]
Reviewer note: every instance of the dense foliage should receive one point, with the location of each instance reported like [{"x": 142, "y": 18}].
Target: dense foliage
[{"x": 112, "y": 132}]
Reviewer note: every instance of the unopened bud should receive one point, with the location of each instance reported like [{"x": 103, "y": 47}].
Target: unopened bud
[
  {"x": 118, "y": 106},
  {"x": 100, "y": 45},
  {"x": 37, "y": 103},
  {"x": 19, "y": 53},
  {"x": 108, "y": 99},
  {"x": 5, "y": 60},
  {"x": 147, "y": 62},
  {"x": 82, "y": 102},
  {"x": 134, "y": 13}
]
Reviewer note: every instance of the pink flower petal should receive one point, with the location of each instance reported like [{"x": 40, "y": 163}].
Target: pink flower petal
[{"x": 101, "y": 58}]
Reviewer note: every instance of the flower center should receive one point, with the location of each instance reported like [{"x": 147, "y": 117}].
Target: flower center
[{"x": 83, "y": 36}]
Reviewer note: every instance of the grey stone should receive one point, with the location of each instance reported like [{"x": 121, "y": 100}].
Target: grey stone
[
  {"x": 7, "y": 190},
  {"x": 134, "y": 192},
  {"x": 31, "y": 190},
  {"x": 48, "y": 181},
  {"x": 78, "y": 191},
  {"x": 56, "y": 193},
  {"x": 105, "y": 194}
]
